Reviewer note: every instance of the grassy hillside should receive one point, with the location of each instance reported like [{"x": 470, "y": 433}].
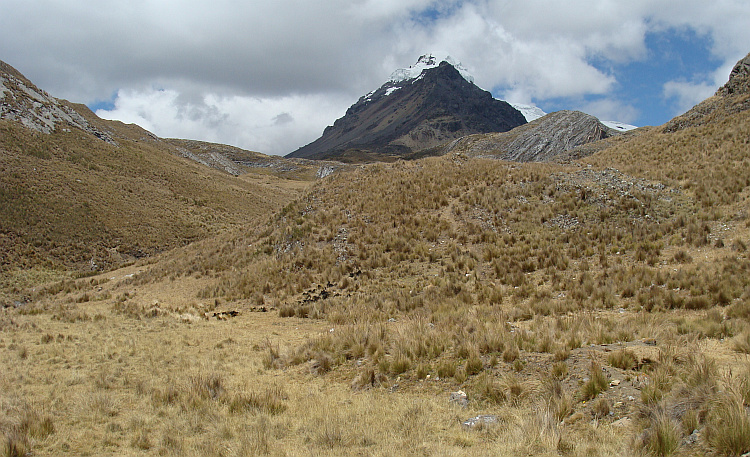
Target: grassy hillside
[
  {"x": 73, "y": 202},
  {"x": 591, "y": 311}
]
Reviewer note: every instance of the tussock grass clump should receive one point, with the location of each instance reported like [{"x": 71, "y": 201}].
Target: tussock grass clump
[
  {"x": 272, "y": 356},
  {"x": 18, "y": 436},
  {"x": 206, "y": 386},
  {"x": 269, "y": 401},
  {"x": 623, "y": 359},
  {"x": 368, "y": 378},
  {"x": 37, "y": 424},
  {"x": 739, "y": 309},
  {"x": 488, "y": 389},
  {"x": 510, "y": 354},
  {"x": 474, "y": 365},
  {"x": 15, "y": 444},
  {"x": 558, "y": 400},
  {"x": 400, "y": 364},
  {"x": 658, "y": 384},
  {"x": 446, "y": 368},
  {"x": 322, "y": 363},
  {"x": 662, "y": 437},
  {"x": 516, "y": 390},
  {"x": 167, "y": 395},
  {"x": 682, "y": 256},
  {"x": 728, "y": 425},
  {"x": 596, "y": 383},
  {"x": 741, "y": 343},
  {"x": 601, "y": 408},
  {"x": 559, "y": 370}
]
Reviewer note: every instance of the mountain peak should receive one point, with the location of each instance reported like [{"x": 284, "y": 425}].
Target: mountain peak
[
  {"x": 426, "y": 62},
  {"x": 418, "y": 108}
]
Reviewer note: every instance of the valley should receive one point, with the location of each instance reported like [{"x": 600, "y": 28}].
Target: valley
[{"x": 595, "y": 303}]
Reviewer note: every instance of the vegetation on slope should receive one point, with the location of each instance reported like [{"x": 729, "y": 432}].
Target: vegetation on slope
[
  {"x": 514, "y": 282},
  {"x": 73, "y": 202}
]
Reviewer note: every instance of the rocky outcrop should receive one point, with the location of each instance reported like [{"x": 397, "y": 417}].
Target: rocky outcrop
[
  {"x": 408, "y": 115},
  {"x": 236, "y": 161},
  {"x": 541, "y": 140},
  {"x": 22, "y": 101},
  {"x": 731, "y": 98},
  {"x": 739, "y": 79}
]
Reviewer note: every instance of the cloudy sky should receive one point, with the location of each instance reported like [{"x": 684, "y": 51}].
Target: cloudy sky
[{"x": 270, "y": 75}]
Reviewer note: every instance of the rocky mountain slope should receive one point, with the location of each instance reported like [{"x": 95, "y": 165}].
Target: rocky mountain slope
[
  {"x": 237, "y": 161},
  {"x": 413, "y": 111},
  {"x": 538, "y": 141},
  {"x": 22, "y": 101}
]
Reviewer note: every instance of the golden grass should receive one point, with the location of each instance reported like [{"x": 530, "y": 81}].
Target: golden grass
[{"x": 70, "y": 201}]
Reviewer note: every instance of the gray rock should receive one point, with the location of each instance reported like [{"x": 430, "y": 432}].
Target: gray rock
[
  {"x": 691, "y": 439},
  {"x": 459, "y": 398},
  {"x": 479, "y": 421},
  {"x": 35, "y": 109},
  {"x": 538, "y": 141}
]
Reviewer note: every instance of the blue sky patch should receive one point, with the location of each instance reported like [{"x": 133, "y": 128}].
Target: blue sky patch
[
  {"x": 673, "y": 55},
  {"x": 107, "y": 105}
]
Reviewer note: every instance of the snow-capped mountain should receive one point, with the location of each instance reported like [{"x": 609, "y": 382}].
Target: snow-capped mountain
[
  {"x": 416, "y": 109},
  {"x": 619, "y": 126},
  {"x": 426, "y": 62},
  {"x": 427, "y": 105}
]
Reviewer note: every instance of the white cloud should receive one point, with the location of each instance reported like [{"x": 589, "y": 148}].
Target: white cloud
[
  {"x": 273, "y": 125},
  {"x": 686, "y": 94},
  {"x": 230, "y": 69},
  {"x": 608, "y": 109}
]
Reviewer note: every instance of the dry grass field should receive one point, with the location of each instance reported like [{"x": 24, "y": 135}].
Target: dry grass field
[{"x": 588, "y": 311}]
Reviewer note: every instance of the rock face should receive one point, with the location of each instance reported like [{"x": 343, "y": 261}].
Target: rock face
[
  {"x": 739, "y": 79},
  {"x": 538, "y": 141},
  {"x": 407, "y": 115},
  {"x": 22, "y": 101},
  {"x": 730, "y": 99}
]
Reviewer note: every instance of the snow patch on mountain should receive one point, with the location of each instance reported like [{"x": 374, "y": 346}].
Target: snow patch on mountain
[
  {"x": 426, "y": 62},
  {"x": 530, "y": 112},
  {"x": 622, "y": 127},
  {"x": 533, "y": 112}
]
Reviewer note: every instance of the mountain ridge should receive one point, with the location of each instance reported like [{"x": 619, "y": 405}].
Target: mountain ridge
[
  {"x": 413, "y": 114},
  {"x": 540, "y": 140}
]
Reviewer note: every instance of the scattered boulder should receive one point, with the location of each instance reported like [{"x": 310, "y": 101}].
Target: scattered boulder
[
  {"x": 479, "y": 422},
  {"x": 460, "y": 398}
]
